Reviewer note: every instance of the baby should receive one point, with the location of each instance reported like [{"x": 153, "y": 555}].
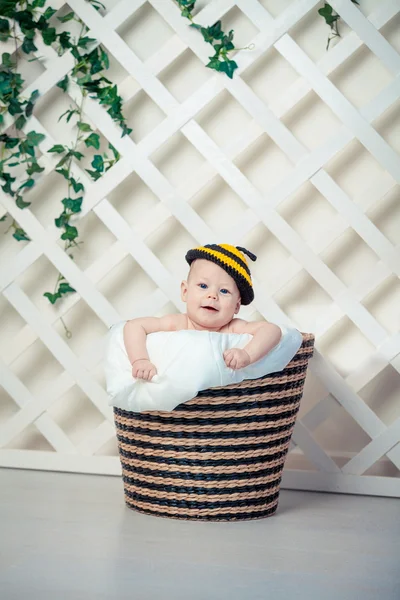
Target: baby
[{"x": 219, "y": 281}]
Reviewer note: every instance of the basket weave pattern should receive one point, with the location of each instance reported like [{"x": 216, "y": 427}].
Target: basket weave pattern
[{"x": 218, "y": 457}]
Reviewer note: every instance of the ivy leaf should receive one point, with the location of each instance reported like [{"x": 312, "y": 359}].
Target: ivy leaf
[
  {"x": 35, "y": 138},
  {"x": 6, "y": 60},
  {"x": 34, "y": 168},
  {"x": 49, "y": 35},
  {"x": 4, "y": 26},
  {"x": 11, "y": 142},
  {"x": 64, "y": 173},
  {"x": 214, "y": 63},
  {"x": 64, "y": 288},
  {"x": 70, "y": 233},
  {"x": 83, "y": 126},
  {"x": 3, "y": 218},
  {"x": 77, "y": 186},
  {"x": 77, "y": 154},
  {"x": 98, "y": 163},
  {"x": 83, "y": 42},
  {"x": 38, "y": 3},
  {"x": 28, "y": 46},
  {"x": 104, "y": 58},
  {"x": 48, "y": 13},
  {"x": 21, "y": 203},
  {"x": 93, "y": 140},
  {"x": 14, "y": 107},
  {"x": 228, "y": 67},
  {"x": 62, "y": 220},
  {"x": 58, "y": 148},
  {"x": 20, "y": 122},
  {"x": 66, "y": 17},
  {"x": 52, "y": 297},
  {"x": 27, "y": 184},
  {"x": 63, "y": 85},
  {"x": 117, "y": 155},
  {"x": 65, "y": 40},
  {"x": 125, "y": 130},
  {"x": 95, "y": 175},
  {"x": 73, "y": 204},
  {"x": 20, "y": 235}
]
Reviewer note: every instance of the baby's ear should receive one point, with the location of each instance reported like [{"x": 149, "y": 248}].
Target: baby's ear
[
  {"x": 184, "y": 288},
  {"x": 237, "y": 308}
]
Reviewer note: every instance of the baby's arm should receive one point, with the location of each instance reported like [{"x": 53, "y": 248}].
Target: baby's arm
[
  {"x": 135, "y": 333},
  {"x": 265, "y": 337}
]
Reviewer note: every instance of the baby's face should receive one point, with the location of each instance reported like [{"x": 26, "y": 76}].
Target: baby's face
[{"x": 211, "y": 295}]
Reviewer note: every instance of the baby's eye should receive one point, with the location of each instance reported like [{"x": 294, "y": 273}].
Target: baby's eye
[
  {"x": 203, "y": 286},
  {"x": 225, "y": 291}
]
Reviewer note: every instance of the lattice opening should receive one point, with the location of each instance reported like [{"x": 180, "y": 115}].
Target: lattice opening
[
  {"x": 48, "y": 110},
  {"x": 39, "y": 277},
  {"x": 349, "y": 257},
  {"x": 311, "y": 34},
  {"x": 177, "y": 159},
  {"x": 311, "y": 121},
  {"x": 110, "y": 448},
  {"x": 354, "y": 170},
  {"x": 391, "y": 31},
  {"x": 218, "y": 205},
  {"x": 30, "y": 439},
  {"x": 264, "y": 164},
  {"x": 309, "y": 213},
  {"x": 222, "y": 116},
  {"x": 345, "y": 346},
  {"x": 170, "y": 243},
  {"x": 339, "y": 426},
  {"x": 353, "y": 77},
  {"x": 142, "y": 28},
  {"x": 127, "y": 284},
  {"x": 272, "y": 256},
  {"x": 270, "y": 76},
  {"x": 382, "y": 395},
  {"x": 142, "y": 115},
  {"x": 184, "y": 75},
  {"x": 86, "y": 326},
  {"x": 96, "y": 239},
  {"x": 388, "y": 126},
  {"x": 275, "y": 7},
  {"x": 134, "y": 201},
  {"x": 304, "y": 301},
  {"x": 46, "y": 196},
  {"x": 75, "y": 414},
  {"x": 36, "y": 367},
  {"x": 245, "y": 30},
  {"x": 8, "y": 406},
  {"x": 383, "y": 304},
  {"x": 385, "y": 214}
]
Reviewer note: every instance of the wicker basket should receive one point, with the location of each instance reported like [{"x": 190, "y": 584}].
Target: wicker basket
[{"x": 218, "y": 457}]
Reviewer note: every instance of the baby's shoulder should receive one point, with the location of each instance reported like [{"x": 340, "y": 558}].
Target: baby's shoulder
[{"x": 178, "y": 322}]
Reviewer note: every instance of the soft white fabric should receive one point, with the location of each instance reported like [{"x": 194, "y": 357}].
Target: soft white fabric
[{"x": 187, "y": 362}]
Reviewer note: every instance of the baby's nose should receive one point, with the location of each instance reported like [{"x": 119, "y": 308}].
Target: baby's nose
[{"x": 212, "y": 294}]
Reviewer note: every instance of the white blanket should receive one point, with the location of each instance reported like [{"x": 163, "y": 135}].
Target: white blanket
[{"x": 187, "y": 362}]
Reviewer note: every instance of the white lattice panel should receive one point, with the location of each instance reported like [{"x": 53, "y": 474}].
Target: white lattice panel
[{"x": 297, "y": 158}]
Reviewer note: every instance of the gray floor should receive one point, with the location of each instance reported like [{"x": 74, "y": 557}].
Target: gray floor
[{"x": 67, "y": 536}]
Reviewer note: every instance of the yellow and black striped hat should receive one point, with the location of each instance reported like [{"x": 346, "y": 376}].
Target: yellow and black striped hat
[{"x": 232, "y": 260}]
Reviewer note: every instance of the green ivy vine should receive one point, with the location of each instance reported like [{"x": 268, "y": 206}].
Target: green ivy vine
[
  {"x": 21, "y": 21},
  {"x": 221, "y": 42},
  {"x": 332, "y": 19}
]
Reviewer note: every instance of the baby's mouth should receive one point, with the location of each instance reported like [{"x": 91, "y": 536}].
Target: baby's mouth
[{"x": 210, "y": 308}]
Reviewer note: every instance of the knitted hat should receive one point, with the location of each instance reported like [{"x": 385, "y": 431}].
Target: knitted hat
[{"x": 232, "y": 260}]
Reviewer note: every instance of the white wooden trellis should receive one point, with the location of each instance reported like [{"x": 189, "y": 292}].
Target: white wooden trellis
[{"x": 307, "y": 166}]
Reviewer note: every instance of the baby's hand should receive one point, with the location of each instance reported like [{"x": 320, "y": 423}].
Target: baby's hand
[
  {"x": 236, "y": 358},
  {"x": 143, "y": 369}
]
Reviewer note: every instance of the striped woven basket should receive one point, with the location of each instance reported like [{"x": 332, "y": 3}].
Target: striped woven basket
[{"x": 218, "y": 457}]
